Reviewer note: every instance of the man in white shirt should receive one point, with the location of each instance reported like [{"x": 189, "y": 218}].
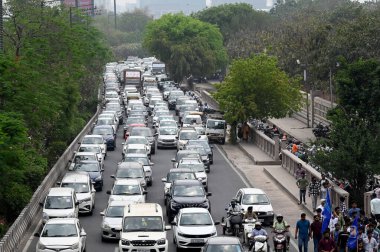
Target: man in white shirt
[
  {"x": 375, "y": 205},
  {"x": 370, "y": 244}
]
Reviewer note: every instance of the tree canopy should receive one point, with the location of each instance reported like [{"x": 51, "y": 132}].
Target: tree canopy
[{"x": 187, "y": 45}]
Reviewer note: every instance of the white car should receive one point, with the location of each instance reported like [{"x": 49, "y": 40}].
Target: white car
[
  {"x": 167, "y": 137},
  {"x": 136, "y": 148},
  {"x": 129, "y": 191},
  {"x": 96, "y": 140},
  {"x": 85, "y": 156},
  {"x": 62, "y": 235},
  {"x": 184, "y": 135},
  {"x": 192, "y": 227},
  {"x": 112, "y": 219},
  {"x": 197, "y": 167},
  {"x": 137, "y": 140},
  {"x": 259, "y": 201},
  {"x": 92, "y": 148}
]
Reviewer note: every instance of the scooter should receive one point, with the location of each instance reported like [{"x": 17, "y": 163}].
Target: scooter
[
  {"x": 235, "y": 221},
  {"x": 248, "y": 225},
  {"x": 259, "y": 243},
  {"x": 279, "y": 240}
]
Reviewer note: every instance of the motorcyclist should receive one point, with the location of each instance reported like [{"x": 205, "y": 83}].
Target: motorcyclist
[
  {"x": 256, "y": 232},
  {"x": 232, "y": 210},
  {"x": 280, "y": 224},
  {"x": 250, "y": 214}
]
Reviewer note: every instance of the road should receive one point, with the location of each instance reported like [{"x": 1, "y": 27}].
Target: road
[{"x": 223, "y": 183}]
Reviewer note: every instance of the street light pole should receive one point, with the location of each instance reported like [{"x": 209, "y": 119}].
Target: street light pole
[
  {"x": 114, "y": 11},
  {"x": 1, "y": 27}
]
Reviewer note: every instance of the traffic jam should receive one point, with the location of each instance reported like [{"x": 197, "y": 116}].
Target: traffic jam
[{"x": 144, "y": 113}]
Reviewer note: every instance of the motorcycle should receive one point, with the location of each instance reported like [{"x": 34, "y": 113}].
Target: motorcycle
[
  {"x": 279, "y": 240},
  {"x": 259, "y": 243},
  {"x": 248, "y": 225},
  {"x": 235, "y": 221}
]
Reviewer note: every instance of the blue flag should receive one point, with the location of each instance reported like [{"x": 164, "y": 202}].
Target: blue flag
[
  {"x": 326, "y": 212},
  {"x": 352, "y": 239}
]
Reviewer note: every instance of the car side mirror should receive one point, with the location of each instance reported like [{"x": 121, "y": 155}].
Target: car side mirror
[
  {"x": 163, "y": 179},
  {"x": 102, "y": 170},
  {"x": 37, "y": 235},
  {"x": 108, "y": 192},
  {"x": 113, "y": 176},
  {"x": 102, "y": 213},
  {"x": 167, "y": 228},
  {"x": 58, "y": 183},
  {"x": 83, "y": 233},
  {"x": 167, "y": 194},
  {"x": 93, "y": 191},
  {"x": 216, "y": 222},
  {"x": 151, "y": 163},
  {"x": 155, "y": 134},
  {"x": 173, "y": 223},
  {"x": 41, "y": 204},
  {"x": 77, "y": 203},
  {"x": 145, "y": 192},
  {"x": 173, "y": 159},
  {"x": 209, "y": 194}
]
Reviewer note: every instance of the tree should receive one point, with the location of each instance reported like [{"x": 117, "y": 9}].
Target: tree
[
  {"x": 187, "y": 45},
  {"x": 354, "y": 139},
  {"x": 255, "y": 87}
]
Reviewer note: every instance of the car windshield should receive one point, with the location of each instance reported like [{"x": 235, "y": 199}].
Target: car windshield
[
  {"x": 160, "y": 113},
  {"x": 102, "y": 131},
  {"x": 211, "y": 124},
  {"x": 58, "y": 202},
  {"x": 112, "y": 106},
  {"x": 203, "y": 143},
  {"x": 196, "y": 167},
  {"x": 172, "y": 176},
  {"x": 143, "y": 160},
  {"x": 134, "y": 120},
  {"x": 195, "y": 219},
  {"x": 145, "y": 223},
  {"x": 168, "y": 124},
  {"x": 198, "y": 149},
  {"x": 132, "y": 140},
  {"x": 115, "y": 212},
  {"x": 141, "y": 132},
  {"x": 112, "y": 95},
  {"x": 126, "y": 190},
  {"x": 188, "y": 135},
  {"x": 223, "y": 248},
  {"x": 59, "y": 230},
  {"x": 191, "y": 120},
  {"x": 93, "y": 140},
  {"x": 104, "y": 122},
  {"x": 79, "y": 158},
  {"x": 130, "y": 173},
  {"x": 188, "y": 191},
  {"x": 138, "y": 151},
  {"x": 78, "y": 187},
  {"x": 255, "y": 199},
  {"x": 168, "y": 131},
  {"x": 87, "y": 167},
  {"x": 95, "y": 149}
]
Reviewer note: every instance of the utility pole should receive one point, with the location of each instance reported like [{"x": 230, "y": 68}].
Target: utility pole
[
  {"x": 114, "y": 11},
  {"x": 1, "y": 27},
  {"x": 76, "y": 4}
]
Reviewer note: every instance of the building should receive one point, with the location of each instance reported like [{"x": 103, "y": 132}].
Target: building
[
  {"x": 157, "y": 8},
  {"x": 256, "y": 4}
]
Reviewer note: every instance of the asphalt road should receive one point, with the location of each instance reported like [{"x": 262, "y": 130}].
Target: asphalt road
[{"x": 223, "y": 183}]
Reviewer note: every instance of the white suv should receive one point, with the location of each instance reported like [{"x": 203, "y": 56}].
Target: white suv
[{"x": 143, "y": 228}]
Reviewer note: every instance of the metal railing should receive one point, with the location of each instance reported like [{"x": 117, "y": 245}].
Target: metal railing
[
  {"x": 290, "y": 163},
  {"x": 31, "y": 213}
]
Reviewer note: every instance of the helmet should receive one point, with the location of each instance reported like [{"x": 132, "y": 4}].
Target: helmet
[
  {"x": 250, "y": 208},
  {"x": 258, "y": 225},
  {"x": 279, "y": 217},
  {"x": 233, "y": 202}
]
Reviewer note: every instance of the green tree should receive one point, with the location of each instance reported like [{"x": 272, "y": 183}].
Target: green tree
[
  {"x": 187, "y": 45},
  {"x": 355, "y": 154},
  {"x": 255, "y": 87}
]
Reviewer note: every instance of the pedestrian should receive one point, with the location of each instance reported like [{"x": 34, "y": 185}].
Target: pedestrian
[
  {"x": 302, "y": 233},
  {"x": 342, "y": 205},
  {"x": 354, "y": 210},
  {"x": 336, "y": 232},
  {"x": 316, "y": 231},
  {"x": 325, "y": 188},
  {"x": 326, "y": 244},
  {"x": 314, "y": 192},
  {"x": 371, "y": 228},
  {"x": 342, "y": 239},
  {"x": 370, "y": 244},
  {"x": 362, "y": 218},
  {"x": 299, "y": 171},
  {"x": 375, "y": 205},
  {"x": 322, "y": 205},
  {"x": 338, "y": 214},
  {"x": 302, "y": 184},
  {"x": 246, "y": 131},
  {"x": 294, "y": 148}
]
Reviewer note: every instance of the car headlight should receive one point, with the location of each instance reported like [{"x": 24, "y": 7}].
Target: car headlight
[
  {"x": 75, "y": 246},
  {"x": 270, "y": 213},
  {"x": 213, "y": 234},
  {"x": 180, "y": 234},
  {"x": 45, "y": 216},
  {"x": 71, "y": 215},
  {"x": 41, "y": 246},
  {"x": 98, "y": 178},
  {"x": 161, "y": 241},
  {"x": 85, "y": 199},
  {"x": 105, "y": 225},
  {"x": 125, "y": 242}
]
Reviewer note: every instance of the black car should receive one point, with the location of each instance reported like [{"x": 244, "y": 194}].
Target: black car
[
  {"x": 186, "y": 193},
  {"x": 108, "y": 133},
  {"x": 205, "y": 145},
  {"x": 94, "y": 170}
]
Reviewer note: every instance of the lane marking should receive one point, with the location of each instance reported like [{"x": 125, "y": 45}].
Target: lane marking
[
  {"x": 31, "y": 238},
  {"x": 245, "y": 181}
]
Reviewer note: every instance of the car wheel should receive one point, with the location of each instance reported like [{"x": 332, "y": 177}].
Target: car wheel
[
  {"x": 223, "y": 141},
  {"x": 150, "y": 182},
  {"x": 179, "y": 249},
  {"x": 206, "y": 188}
]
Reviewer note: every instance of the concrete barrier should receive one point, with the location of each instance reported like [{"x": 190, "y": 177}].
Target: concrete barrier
[
  {"x": 265, "y": 143},
  {"x": 31, "y": 214},
  {"x": 290, "y": 162},
  {"x": 206, "y": 97}
]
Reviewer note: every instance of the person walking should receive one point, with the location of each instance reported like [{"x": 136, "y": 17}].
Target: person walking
[
  {"x": 342, "y": 239},
  {"x": 370, "y": 244},
  {"x": 299, "y": 171},
  {"x": 326, "y": 244},
  {"x": 302, "y": 184},
  {"x": 246, "y": 130},
  {"x": 375, "y": 205},
  {"x": 316, "y": 232},
  {"x": 314, "y": 192},
  {"x": 302, "y": 233}
]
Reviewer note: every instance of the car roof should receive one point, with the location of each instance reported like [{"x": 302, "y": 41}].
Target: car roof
[
  {"x": 88, "y": 145},
  {"x": 61, "y": 191},
  {"x": 97, "y": 136},
  {"x": 104, "y": 126},
  {"x": 117, "y": 203},
  {"x": 187, "y": 182},
  {"x": 143, "y": 209},
  {"x": 194, "y": 210},
  {"x": 177, "y": 170},
  {"x": 136, "y": 155},
  {"x": 136, "y": 146},
  {"x": 127, "y": 182},
  {"x": 252, "y": 191},
  {"x": 227, "y": 240},
  {"x": 72, "y": 177},
  {"x": 132, "y": 165},
  {"x": 62, "y": 221},
  {"x": 85, "y": 153}
]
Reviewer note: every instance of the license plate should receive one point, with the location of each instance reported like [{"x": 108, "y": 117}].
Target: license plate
[
  {"x": 261, "y": 220},
  {"x": 197, "y": 240},
  {"x": 142, "y": 250}
]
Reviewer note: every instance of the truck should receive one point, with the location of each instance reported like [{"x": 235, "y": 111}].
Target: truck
[
  {"x": 216, "y": 128},
  {"x": 132, "y": 77},
  {"x": 158, "y": 67}
]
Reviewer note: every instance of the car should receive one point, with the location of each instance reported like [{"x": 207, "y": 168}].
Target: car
[
  {"x": 80, "y": 156},
  {"x": 136, "y": 148},
  {"x": 143, "y": 228},
  {"x": 111, "y": 95},
  {"x": 144, "y": 160},
  {"x": 131, "y": 120},
  {"x": 259, "y": 201},
  {"x": 108, "y": 133},
  {"x": 159, "y": 113},
  {"x": 186, "y": 193},
  {"x": 92, "y": 148},
  {"x": 191, "y": 120},
  {"x": 95, "y": 140},
  {"x": 205, "y": 145},
  {"x": 223, "y": 243},
  {"x": 185, "y": 154},
  {"x": 167, "y": 123},
  {"x": 84, "y": 190},
  {"x": 137, "y": 140},
  {"x": 192, "y": 227},
  {"x": 128, "y": 190},
  {"x": 112, "y": 219},
  {"x": 176, "y": 174},
  {"x": 95, "y": 171},
  {"x": 184, "y": 135},
  {"x": 59, "y": 203},
  {"x": 131, "y": 170},
  {"x": 202, "y": 152},
  {"x": 62, "y": 234},
  {"x": 167, "y": 137},
  {"x": 197, "y": 167},
  {"x": 110, "y": 114},
  {"x": 115, "y": 106},
  {"x": 106, "y": 121},
  {"x": 146, "y": 132}
]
